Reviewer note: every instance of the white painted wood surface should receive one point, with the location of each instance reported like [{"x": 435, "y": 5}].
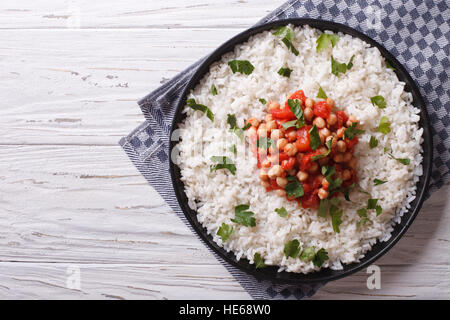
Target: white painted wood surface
[{"x": 70, "y": 75}]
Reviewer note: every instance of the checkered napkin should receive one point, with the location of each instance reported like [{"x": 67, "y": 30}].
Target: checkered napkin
[{"x": 416, "y": 32}]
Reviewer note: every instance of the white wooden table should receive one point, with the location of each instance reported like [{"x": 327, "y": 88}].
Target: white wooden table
[{"x": 70, "y": 75}]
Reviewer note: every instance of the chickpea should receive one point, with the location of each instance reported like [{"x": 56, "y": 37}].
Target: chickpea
[
  {"x": 353, "y": 163},
  {"x": 251, "y": 132},
  {"x": 271, "y": 125},
  {"x": 347, "y": 157},
  {"x": 262, "y": 130},
  {"x": 253, "y": 121},
  {"x": 351, "y": 120},
  {"x": 275, "y": 171},
  {"x": 340, "y": 132},
  {"x": 281, "y": 143},
  {"x": 273, "y": 105},
  {"x": 323, "y": 149},
  {"x": 322, "y": 193},
  {"x": 263, "y": 175},
  {"x": 308, "y": 113},
  {"x": 276, "y": 134},
  {"x": 280, "y": 192},
  {"x": 290, "y": 149},
  {"x": 325, "y": 132},
  {"x": 302, "y": 176},
  {"x": 319, "y": 122},
  {"x": 341, "y": 146},
  {"x": 332, "y": 119},
  {"x": 338, "y": 158},
  {"x": 268, "y": 117},
  {"x": 325, "y": 183},
  {"x": 330, "y": 102},
  {"x": 309, "y": 103},
  {"x": 265, "y": 184},
  {"x": 291, "y": 135},
  {"x": 346, "y": 175},
  {"x": 334, "y": 142},
  {"x": 314, "y": 167},
  {"x": 282, "y": 182}
]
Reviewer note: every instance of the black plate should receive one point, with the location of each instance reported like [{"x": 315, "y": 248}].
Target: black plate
[{"x": 380, "y": 248}]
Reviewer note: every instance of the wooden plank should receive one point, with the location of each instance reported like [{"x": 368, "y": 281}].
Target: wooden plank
[
  {"x": 31, "y": 14},
  {"x": 117, "y": 282}
]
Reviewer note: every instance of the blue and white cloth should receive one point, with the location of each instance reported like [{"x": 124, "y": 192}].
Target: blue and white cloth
[{"x": 416, "y": 32}]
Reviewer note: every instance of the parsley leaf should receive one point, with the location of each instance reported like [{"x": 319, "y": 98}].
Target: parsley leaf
[
  {"x": 324, "y": 41},
  {"x": 323, "y": 155},
  {"x": 213, "y": 90},
  {"x": 320, "y": 257},
  {"x": 285, "y": 72},
  {"x": 259, "y": 262},
  {"x": 323, "y": 208},
  {"x": 321, "y": 94},
  {"x": 346, "y": 191},
  {"x": 242, "y": 66},
  {"x": 297, "y": 110},
  {"x": 289, "y": 124},
  {"x": 248, "y": 125},
  {"x": 262, "y": 100},
  {"x": 337, "y": 67},
  {"x": 378, "y": 182},
  {"x": 351, "y": 131},
  {"x": 244, "y": 217},
  {"x": 314, "y": 138},
  {"x": 292, "y": 249},
  {"x": 308, "y": 254},
  {"x": 378, "y": 210},
  {"x": 373, "y": 143},
  {"x": 401, "y": 160},
  {"x": 222, "y": 163},
  {"x": 232, "y": 121},
  {"x": 384, "y": 127},
  {"x": 264, "y": 143},
  {"x": 378, "y": 101},
  {"x": 336, "y": 218},
  {"x": 200, "y": 107},
  {"x": 294, "y": 189},
  {"x": 225, "y": 231},
  {"x": 287, "y": 36},
  {"x": 233, "y": 149},
  {"x": 282, "y": 212},
  {"x": 371, "y": 203}
]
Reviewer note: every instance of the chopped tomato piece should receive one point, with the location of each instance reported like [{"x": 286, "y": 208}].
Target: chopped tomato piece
[
  {"x": 342, "y": 118},
  {"x": 351, "y": 143},
  {"x": 303, "y": 139},
  {"x": 274, "y": 185},
  {"x": 283, "y": 114},
  {"x": 300, "y": 95},
  {"x": 288, "y": 164},
  {"x": 322, "y": 109},
  {"x": 310, "y": 201}
]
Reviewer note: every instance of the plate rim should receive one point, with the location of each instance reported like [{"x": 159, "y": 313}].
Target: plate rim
[{"x": 406, "y": 220}]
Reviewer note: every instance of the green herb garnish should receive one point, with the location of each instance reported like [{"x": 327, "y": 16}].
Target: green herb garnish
[
  {"x": 378, "y": 101},
  {"x": 294, "y": 189},
  {"x": 323, "y": 208},
  {"x": 285, "y": 72},
  {"x": 308, "y": 254},
  {"x": 384, "y": 127},
  {"x": 232, "y": 121},
  {"x": 263, "y": 101},
  {"x": 325, "y": 40},
  {"x": 337, "y": 67},
  {"x": 401, "y": 160},
  {"x": 244, "y": 217},
  {"x": 323, "y": 155},
  {"x": 321, "y": 94},
  {"x": 351, "y": 131},
  {"x": 225, "y": 231},
  {"x": 336, "y": 217},
  {"x": 282, "y": 212},
  {"x": 388, "y": 65},
  {"x": 241, "y": 66},
  {"x": 200, "y": 107},
  {"x": 378, "y": 182},
  {"x": 233, "y": 149},
  {"x": 320, "y": 257},
  {"x": 292, "y": 249},
  {"x": 287, "y": 36},
  {"x": 297, "y": 110},
  {"x": 264, "y": 143},
  {"x": 314, "y": 140},
  {"x": 259, "y": 262},
  {"x": 222, "y": 163},
  {"x": 373, "y": 143},
  {"x": 213, "y": 90}
]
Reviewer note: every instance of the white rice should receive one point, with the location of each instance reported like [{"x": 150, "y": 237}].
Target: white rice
[{"x": 215, "y": 194}]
